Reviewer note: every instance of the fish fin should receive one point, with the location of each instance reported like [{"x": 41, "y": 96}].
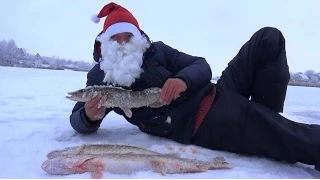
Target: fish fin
[
  {"x": 76, "y": 169},
  {"x": 79, "y": 167},
  {"x": 127, "y": 111},
  {"x": 220, "y": 163},
  {"x": 96, "y": 167},
  {"x": 158, "y": 166},
  {"x": 156, "y": 104},
  {"x": 97, "y": 175}
]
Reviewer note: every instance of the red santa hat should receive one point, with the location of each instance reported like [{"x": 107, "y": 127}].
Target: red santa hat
[{"x": 118, "y": 20}]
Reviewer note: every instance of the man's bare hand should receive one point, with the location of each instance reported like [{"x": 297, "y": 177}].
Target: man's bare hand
[
  {"x": 93, "y": 108},
  {"x": 171, "y": 90}
]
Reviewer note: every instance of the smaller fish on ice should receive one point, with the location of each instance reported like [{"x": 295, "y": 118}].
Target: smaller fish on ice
[
  {"x": 98, "y": 149},
  {"x": 129, "y": 163}
]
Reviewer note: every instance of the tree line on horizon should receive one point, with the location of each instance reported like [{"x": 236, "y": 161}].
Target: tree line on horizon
[
  {"x": 14, "y": 56},
  {"x": 308, "y": 76}
]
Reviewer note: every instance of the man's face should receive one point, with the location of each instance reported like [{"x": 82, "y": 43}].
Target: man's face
[{"x": 122, "y": 37}]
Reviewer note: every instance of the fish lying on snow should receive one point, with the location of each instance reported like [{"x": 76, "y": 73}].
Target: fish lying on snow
[
  {"x": 96, "y": 149},
  {"x": 119, "y": 97},
  {"x": 129, "y": 163}
]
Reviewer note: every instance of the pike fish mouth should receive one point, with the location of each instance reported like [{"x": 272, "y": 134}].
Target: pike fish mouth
[
  {"x": 71, "y": 97},
  {"x": 68, "y": 97},
  {"x": 70, "y": 93}
]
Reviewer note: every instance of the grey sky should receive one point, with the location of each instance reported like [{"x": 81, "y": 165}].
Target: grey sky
[{"x": 210, "y": 28}]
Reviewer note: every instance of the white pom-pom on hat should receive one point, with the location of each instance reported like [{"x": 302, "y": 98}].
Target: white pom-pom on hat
[{"x": 95, "y": 19}]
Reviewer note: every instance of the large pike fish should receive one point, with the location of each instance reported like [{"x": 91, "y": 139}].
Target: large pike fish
[
  {"x": 119, "y": 97},
  {"x": 129, "y": 163},
  {"x": 98, "y": 149}
]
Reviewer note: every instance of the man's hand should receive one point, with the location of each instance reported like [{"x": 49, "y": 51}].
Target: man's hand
[
  {"x": 94, "y": 110},
  {"x": 172, "y": 89}
]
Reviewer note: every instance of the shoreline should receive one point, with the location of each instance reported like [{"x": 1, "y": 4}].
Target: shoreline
[
  {"x": 304, "y": 84},
  {"x": 291, "y": 83}
]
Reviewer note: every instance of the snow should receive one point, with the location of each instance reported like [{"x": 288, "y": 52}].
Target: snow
[{"x": 35, "y": 120}]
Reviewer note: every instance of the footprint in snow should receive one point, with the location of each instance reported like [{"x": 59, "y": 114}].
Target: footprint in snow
[
  {"x": 65, "y": 136},
  {"x": 3, "y": 103}
]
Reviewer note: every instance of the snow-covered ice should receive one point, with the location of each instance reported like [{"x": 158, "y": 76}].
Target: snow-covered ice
[{"x": 34, "y": 120}]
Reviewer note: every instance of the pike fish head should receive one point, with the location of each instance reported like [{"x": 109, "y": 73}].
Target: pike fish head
[
  {"x": 82, "y": 95},
  {"x": 66, "y": 165}
]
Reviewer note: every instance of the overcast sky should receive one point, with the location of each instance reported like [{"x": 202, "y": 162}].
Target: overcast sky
[{"x": 210, "y": 28}]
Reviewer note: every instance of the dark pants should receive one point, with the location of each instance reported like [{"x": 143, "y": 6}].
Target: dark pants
[{"x": 254, "y": 127}]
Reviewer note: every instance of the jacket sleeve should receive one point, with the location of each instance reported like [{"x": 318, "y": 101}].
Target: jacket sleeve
[
  {"x": 195, "y": 71},
  {"x": 78, "y": 118}
]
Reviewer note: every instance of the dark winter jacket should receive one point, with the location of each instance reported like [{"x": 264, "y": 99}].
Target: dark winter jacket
[{"x": 160, "y": 63}]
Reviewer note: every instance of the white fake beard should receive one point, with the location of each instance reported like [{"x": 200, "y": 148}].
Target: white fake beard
[{"x": 122, "y": 63}]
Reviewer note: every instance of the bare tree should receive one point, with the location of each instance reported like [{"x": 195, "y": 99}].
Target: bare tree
[
  {"x": 3, "y": 48},
  {"x": 12, "y": 48},
  {"x": 314, "y": 79},
  {"x": 309, "y": 73}
]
